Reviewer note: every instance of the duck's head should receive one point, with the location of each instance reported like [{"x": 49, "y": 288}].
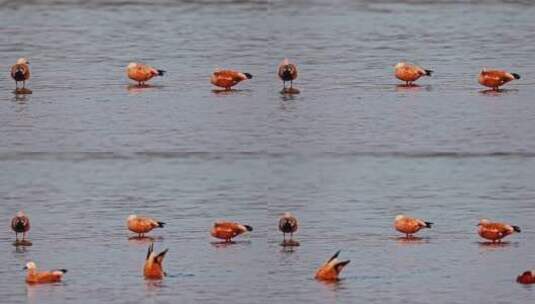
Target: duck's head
[
  {"x": 30, "y": 266},
  {"x": 23, "y": 60}
]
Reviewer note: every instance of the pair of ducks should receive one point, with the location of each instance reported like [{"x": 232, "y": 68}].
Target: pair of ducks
[
  {"x": 225, "y": 79},
  {"x": 493, "y": 79},
  {"x": 153, "y": 269},
  {"x": 492, "y": 231}
]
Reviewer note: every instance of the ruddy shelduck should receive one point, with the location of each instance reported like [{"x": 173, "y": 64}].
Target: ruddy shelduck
[
  {"x": 287, "y": 72},
  {"x": 20, "y": 72},
  {"x": 153, "y": 268},
  {"x": 142, "y": 224},
  {"x": 409, "y": 72},
  {"x": 528, "y": 277},
  {"x": 409, "y": 225},
  {"x": 288, "y": 224},
  {"x": 495, "y": 231},
  {"x": 228, "y": 78},
  {"x": 39, "y": 277},
  {"x": 141, "y": 72},
  {"x": 330, "y": 270},
  {"x": 229, "y": 230},
  {"x": 496, "y": 78},
  {"x": 20, "y": 224}
]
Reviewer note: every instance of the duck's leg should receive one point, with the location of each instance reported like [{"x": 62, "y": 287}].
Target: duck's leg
[
  {"x": 284, "y": 84},
  {"x": 291, "y": 84},
  {"x": 291, "y": 236},
  {"x": 24, "y": 84},
  {"x": 16, "y": 236},
  {"x": 23, "y": 236}
]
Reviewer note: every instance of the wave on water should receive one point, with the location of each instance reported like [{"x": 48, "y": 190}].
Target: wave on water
[{"x": 87, "y": 156}]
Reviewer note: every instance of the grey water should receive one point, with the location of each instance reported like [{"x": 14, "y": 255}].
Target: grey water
[{"x": 354, "y": 149}]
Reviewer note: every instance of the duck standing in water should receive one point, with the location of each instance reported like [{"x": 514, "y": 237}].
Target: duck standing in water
[
  {"x": 409, "y": 72},
  {"x": 288, "y": 72},
  {"x": 20, "y": 224},
  {"x": 228, "y": 78},
  {"x": 288, "y": 224},
  {"x": 141, "y": 72},
  {"x": 228, "y": 230},
  {"x": 496, "y": 78},
  {"x": 142, "y": 224},
  {"x": 409, "y": 225},
  {"x": 20, "y": 72},
  {"x": 495, "y": 231}
]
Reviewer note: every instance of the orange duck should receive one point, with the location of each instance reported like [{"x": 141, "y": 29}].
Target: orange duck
[
  {"x": 527, "y": 277},
  {"x": 495, "y": 231},
  {"x": 229, "y": 230},
  {"x": 153, "y": 268},
  {"x": 39, "y": 277},
  {"x": 409, "y": 225},
  {"x": 330, "y": 270},
  {"x": 141, "y": 72},
  {"x": 227, "y": 78},
  {"x": 496, "y": 78},
  {"x": 409, "y": 72},
  {"x": 142, "y": 224}
]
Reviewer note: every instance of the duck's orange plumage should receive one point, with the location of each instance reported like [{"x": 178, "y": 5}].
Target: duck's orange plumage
[
  {"x": 141, "y": 72},
  {"x": 142, "y": 224},
  {"x": 331, "y": 269},
  {"x": 153, "y": 268},
  {"x": 496, "y": 78},
  {"x": 527, "y": 277},
  {"x": 409, "y": 72},
  {"x": 228, "y": 78},
  {"x": 409, "y": 225},
  {"x": 229, "y": 230},
  {"x": 495, "y": 231},
  {"x": 39, "y": 277}
]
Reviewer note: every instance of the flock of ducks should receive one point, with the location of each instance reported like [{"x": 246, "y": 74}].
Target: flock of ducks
[
  {"x": 227, "y": 230},
  {"x": 288, "y": 224},
  {"x": 287, "y": 71}
]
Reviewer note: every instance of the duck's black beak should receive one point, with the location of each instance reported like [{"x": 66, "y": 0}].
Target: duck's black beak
[{"x": 25, "y": 268}]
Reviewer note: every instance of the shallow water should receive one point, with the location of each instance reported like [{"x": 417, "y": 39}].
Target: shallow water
[{"x": 346, "y": 155}]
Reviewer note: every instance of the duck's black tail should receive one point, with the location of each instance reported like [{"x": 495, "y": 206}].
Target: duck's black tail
[
  {"x": 516, "y": 228},
  {"x": 515, "y": 75},
  {"x": 249, "y": 228},
  {"x": 249, "y": 76}
]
